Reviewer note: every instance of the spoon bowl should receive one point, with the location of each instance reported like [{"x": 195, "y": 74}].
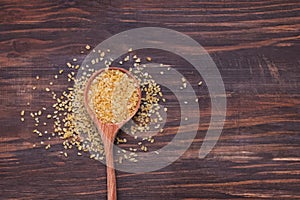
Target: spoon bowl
[{"x": 108, "y": 131}]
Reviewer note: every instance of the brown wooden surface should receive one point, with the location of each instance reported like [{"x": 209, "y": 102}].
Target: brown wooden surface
[{"x": 255, "y": 45}]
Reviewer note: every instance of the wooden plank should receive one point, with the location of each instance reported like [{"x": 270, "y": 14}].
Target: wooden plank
[{"x": 255, "y": 45}]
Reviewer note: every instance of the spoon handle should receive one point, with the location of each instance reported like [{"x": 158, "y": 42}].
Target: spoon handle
[
  {"x": 110, "y": 173},
  {"x": 109, "y": 132}
]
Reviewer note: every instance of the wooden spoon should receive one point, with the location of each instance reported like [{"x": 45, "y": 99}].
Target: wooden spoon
[{"x": 108, "y": 131}]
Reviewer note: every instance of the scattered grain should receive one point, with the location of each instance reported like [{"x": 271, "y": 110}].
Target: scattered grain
[
  {"x": 88, "y": 47},
  {"x": 70, "y": 120}
]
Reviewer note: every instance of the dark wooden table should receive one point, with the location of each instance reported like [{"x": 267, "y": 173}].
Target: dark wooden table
[{"x": 255, "y": 45}]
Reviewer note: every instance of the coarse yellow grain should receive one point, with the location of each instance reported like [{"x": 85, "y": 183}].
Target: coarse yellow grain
[
  {"x": 126, "y": 58},
  {"x": 114, "y": 96},
  {"x": 102, "y": 54},
  {"x": 69, "y": 64}
]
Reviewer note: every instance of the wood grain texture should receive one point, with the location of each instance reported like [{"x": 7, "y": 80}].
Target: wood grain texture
[{"x": 255, "y": 45}]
